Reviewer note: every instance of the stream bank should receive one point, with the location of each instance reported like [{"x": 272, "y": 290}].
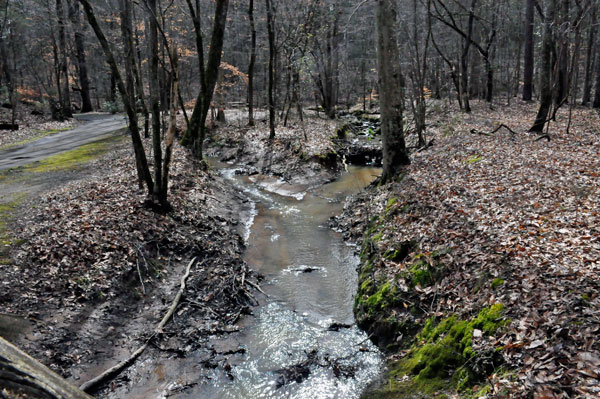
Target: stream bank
[
  {"x": 111, "y": 266},
  {"x": 476, "y": 276}
]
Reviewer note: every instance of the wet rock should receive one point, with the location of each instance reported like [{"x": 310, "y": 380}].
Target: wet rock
[{"x": 338, "y": 326}]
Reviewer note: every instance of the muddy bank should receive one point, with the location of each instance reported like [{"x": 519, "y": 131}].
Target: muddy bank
[
  {"x": 93, "y": 270},
  {"x": 312, "y": 152}
]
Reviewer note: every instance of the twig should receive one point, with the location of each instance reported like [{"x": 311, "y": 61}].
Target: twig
[
  {"x": 137, "y": 263},
  {"x": 92, "y": 384},
  {"x": 257, "y": 287},
  {"x": 502, "y": 125}
]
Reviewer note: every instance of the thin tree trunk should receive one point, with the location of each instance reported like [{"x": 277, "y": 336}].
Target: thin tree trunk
[
  {"x": 589, "y": 58},
  {"x": 596, "y": 103},
  {"x": 172, "y": 126},
  {"x": 63, "y": 61},
  {"x": 138, "y": 146},
  {"x": 126, "y": 26},
  {"x": 196, "y": 131},
  {"x": 251, "y": 65},
  {"x": 271, "y": 35},
  {"x": 529, "y": 46},
  {"x": 546, "y": 68},
  {"x": 562, "y": 84},
  {"x": 84, "y": 81},
  {"x": 464, "y": 59},
  {"x": 153, "y": 81}
]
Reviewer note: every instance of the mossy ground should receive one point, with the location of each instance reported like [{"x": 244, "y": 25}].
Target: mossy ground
[
  {"x": 73, "y": 158},
  {"x": 7, "y": 239},
  {"x": 19, "y": 176},
  {"x": 442, "y": 358}
]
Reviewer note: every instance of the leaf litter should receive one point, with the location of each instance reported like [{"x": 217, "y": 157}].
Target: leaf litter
[{"x": 518, "y": 226}]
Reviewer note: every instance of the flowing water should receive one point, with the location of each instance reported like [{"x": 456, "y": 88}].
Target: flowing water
[
  {"x": 311, "y": 280},
  {"x": 310, "y": 283}
]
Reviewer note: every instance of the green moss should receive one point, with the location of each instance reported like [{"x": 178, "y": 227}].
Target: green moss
[
  {"x": 71, "y": 159},
  {"x": 585, "y": 297},
  {"x": 383, "y": 298},
  {"x": 443, "y": 350},
  {"x": 497, "y": 283},
  {"x": 390, "y": 203},
  {"x": 7, "y": 240},
  {"x": 474, "y": 159}
]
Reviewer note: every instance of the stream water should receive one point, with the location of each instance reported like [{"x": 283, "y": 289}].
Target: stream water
[{"x": 310, "y": 280}]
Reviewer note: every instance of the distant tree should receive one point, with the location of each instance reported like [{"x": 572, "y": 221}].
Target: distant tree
[
  {"x": 63, "y": 65},
  {"x": 590, "y": 54},
  {"x": 79, "y": 39}
]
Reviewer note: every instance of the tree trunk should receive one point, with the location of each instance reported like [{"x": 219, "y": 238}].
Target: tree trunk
[
  {"x": 19, "y": 371},
  {"x": 562, "y": 83},
  {"x": 138, "y": 145},
  {"x": 139, "y": 83},
  {"x": 251, "y": 65},
  {"x": 391, "y": 91},
  {"x": 126, "y": 27},
  {"x": 172, "y": 127},
  {"x": 84, "y": 81},
  {"x": 596, "y": 103},
  {"x": 529, "y": 47},
  {"x": 464, "y": 59},
  {"x": 271, "y": 35},
  {"x": 196, "y": 131},
  {"x": 153, "y": 81},
  {"x": 63, "y": 61},
  {"x": 7, "y": 71},
  {"x": 546, "y": 68},
  {"x": 589, "y": 58}
]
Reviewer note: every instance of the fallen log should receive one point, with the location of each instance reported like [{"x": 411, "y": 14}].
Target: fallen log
[{"x": 19, "y": 371}]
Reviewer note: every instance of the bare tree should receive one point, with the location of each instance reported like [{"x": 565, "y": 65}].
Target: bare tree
[
  {"x": 529, "y": 46},
  {"x": 196, "y": 132},
  {"x": 391, "y": 91},
  {"x": 271, "y": 35},
  {"x": 546, "y": 68},
  {"x": 251, "y": 64}
]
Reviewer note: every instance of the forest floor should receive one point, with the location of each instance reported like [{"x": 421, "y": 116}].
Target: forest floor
[
  {"x": 87, "y": 269},
  {"x": 478, "y": 220},
  {"x": 485, "y": 224}
]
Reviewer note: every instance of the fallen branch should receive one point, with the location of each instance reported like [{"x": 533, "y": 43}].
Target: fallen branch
[
  {"x": 21, "y": 372},
  {"x": 257, "y": 287},
  {"x": 94, "y": 383},
  {"x": 502, "y": 125}
]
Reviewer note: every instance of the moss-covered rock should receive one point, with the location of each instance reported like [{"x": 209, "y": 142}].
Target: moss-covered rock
[{"x": 443, "y": 359}]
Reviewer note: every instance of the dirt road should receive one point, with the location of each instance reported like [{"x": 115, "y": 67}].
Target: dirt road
[{"x": 96, "y": 127}]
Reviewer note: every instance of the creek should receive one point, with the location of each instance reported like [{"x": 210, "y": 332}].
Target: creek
[{"x": 302, "y": 341}]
